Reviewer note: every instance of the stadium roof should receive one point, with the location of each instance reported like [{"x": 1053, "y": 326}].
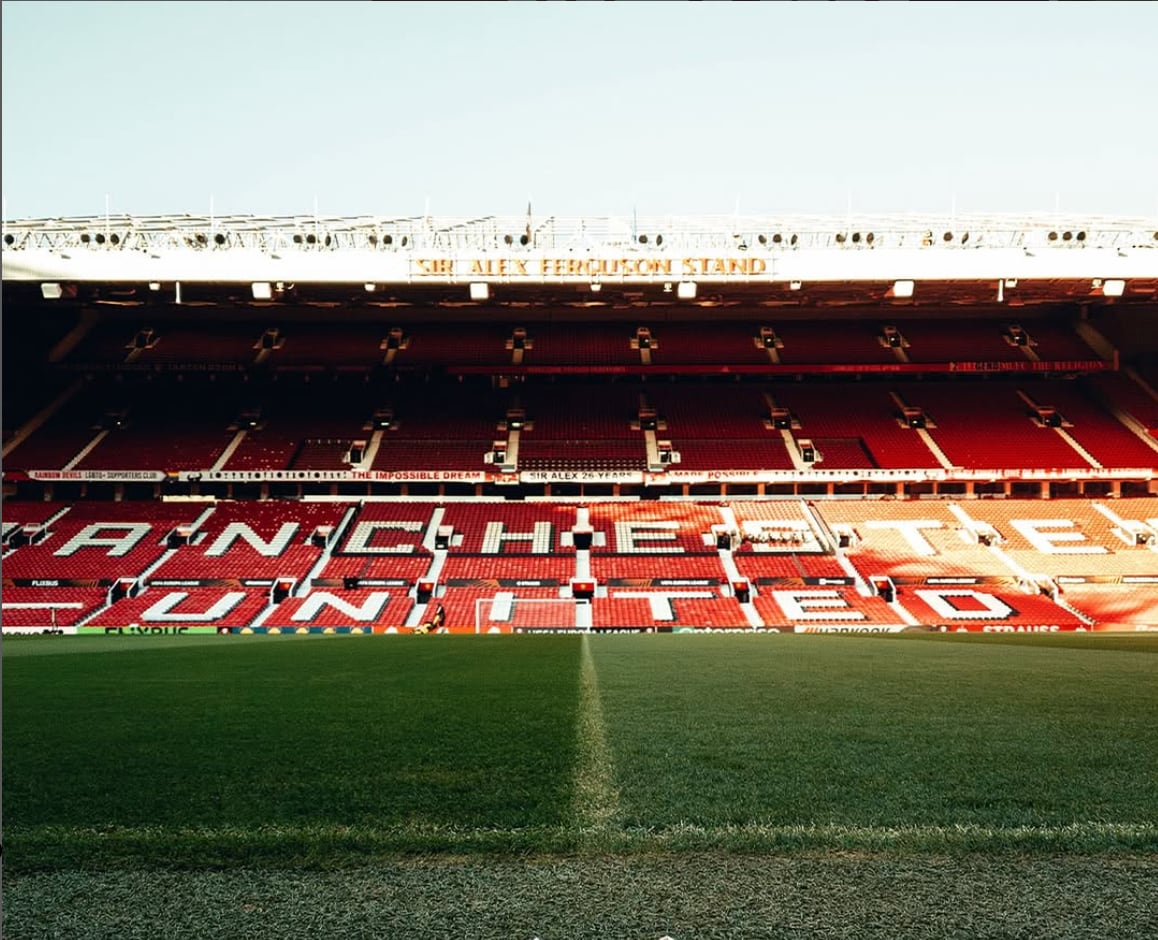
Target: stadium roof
[{"x": 529, "y": 259}]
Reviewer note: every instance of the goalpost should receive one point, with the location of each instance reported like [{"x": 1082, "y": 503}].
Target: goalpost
[
  {"x": 50, "y": 606},
  {"x": 531, "y": 613}
]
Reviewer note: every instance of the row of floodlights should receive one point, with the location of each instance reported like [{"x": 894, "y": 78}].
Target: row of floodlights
[
  {"x": 480, "y": 291},
  {"x": 865, "y": 238},
  {"x": 201, "y": 239}
]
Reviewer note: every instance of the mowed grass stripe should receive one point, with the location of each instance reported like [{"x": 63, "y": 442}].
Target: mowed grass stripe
[
  {"x": 363, "y": 734},
  {"x": 327, "y": 752},
  {"x": 52, "y": 848},
  {"x": 869, "y": 732},
  {"x": 596, "y": 798}
]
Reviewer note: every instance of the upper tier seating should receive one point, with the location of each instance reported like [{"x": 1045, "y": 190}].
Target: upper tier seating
[
  {"x": 855, "y": 424},
  {"x": 446, "y": 426},
  {"x": 988, "y": 426},
  {"x": 1103, "y": 436},
  {"x": 719, "y": 427}
]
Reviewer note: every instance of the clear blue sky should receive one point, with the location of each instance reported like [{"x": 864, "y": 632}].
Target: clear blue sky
[{"x": 585, "y": 108}]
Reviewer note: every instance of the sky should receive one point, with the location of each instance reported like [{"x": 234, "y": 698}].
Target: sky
[{"x": 585, "y": 108}]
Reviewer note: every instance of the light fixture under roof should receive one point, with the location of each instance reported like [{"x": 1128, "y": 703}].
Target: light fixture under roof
[
  {"x": 1115, "y": 287},
  {"x": 262, "y": 290},
  {"x": 480, "y": 290},
  {"x": 903, "y": 289},
  {"x": 686, "y": 290}
]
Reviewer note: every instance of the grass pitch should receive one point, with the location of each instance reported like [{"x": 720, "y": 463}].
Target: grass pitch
[{"x": 661, "y": 774}]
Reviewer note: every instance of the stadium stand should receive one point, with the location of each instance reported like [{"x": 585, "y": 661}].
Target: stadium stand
[{"x": 686, "y": 436}]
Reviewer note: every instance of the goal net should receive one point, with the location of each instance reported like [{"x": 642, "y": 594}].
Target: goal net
[
  {"x": 38, "y": 614},
  {"x": 506, "y": 613}
]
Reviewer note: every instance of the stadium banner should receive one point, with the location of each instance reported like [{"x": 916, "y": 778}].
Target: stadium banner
[
  {"x": 88, "y": 365},
  {"x": 1015, "y": 628},
  {"x": 57, "y": 582},
  {"x": 891, "y": 476},
  {"x": 581, "y": 476},
  {"x": 665, "y": 477},
  {"x": 97, "y": 476},
  {"x": 663, "y": 582},
  {"x": 803, "y": 368},
  {"x": 233, "y": 583},
  {"x": 212, "y": 582},
  {"x": 1000, "y": 580},
  {"x": 335, "y": 476},
  {"x": 492, "y": 584},
  {"x": 39, "y": 631},
  {"x": 1063, "y": 579},
  {"x": 138, "y": 630},
  {"x": 853, "y": 628},
  {"x": 351, "y": 583}
]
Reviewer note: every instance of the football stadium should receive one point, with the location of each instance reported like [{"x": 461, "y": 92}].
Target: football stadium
[{"x": 788, "y": 576}]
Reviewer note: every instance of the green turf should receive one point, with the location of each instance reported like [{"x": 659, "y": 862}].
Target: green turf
[{"x": 333, "y": 752}]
